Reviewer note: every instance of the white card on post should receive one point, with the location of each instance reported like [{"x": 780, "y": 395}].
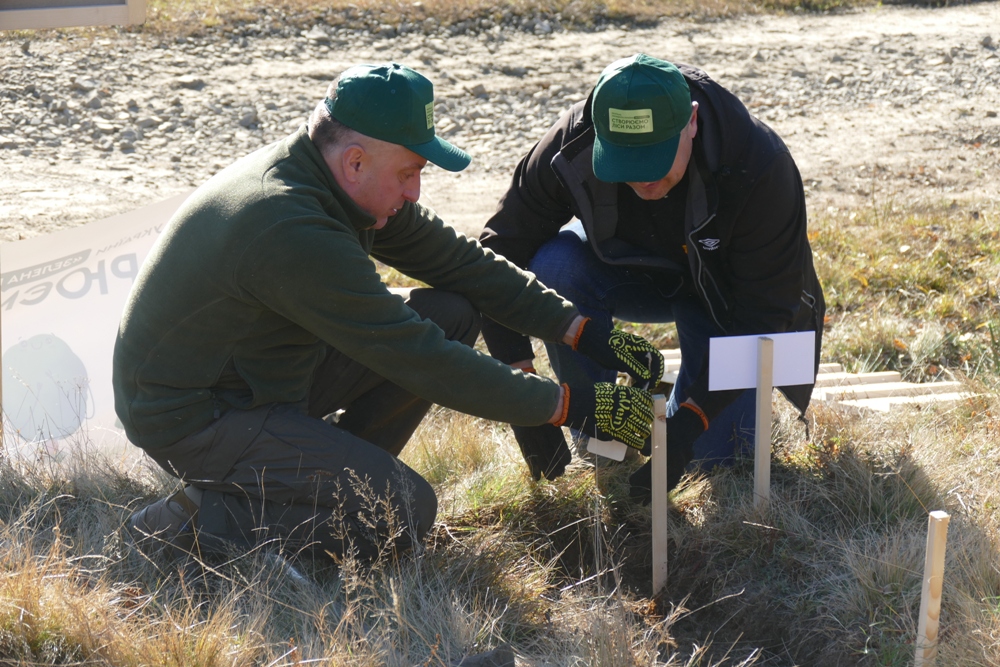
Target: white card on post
[
  {"x": 733, "y": 360},
  {"x": 609, "y": 449}
]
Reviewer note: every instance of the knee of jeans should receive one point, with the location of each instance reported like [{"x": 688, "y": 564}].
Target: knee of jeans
[
  {"x": 452, "y": 312},
  {"x": 421, "y": 507},
  {"x": 558, "y": 264}
]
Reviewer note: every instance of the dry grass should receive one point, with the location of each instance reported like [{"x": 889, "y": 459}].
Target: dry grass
[
  {"x": 829, "y": 575},
  {"x": 187, "y": 16},
  {"x": 912, "y": 292},
  {"x": 72, "y": 592},
  {"x": 183, "y": 18},
  {"x": 557, "y": 570}
]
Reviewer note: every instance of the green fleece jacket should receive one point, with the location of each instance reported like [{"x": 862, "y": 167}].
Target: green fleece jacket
[{"x": 270, "y": 261}]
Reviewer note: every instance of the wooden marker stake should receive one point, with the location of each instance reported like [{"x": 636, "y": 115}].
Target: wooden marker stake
[
  {"x": 658, "y": 462},
  {"x": 762, "y": 435},
  {"x": 930, "y": 598}
]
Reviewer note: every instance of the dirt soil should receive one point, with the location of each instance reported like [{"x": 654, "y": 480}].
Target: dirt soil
[{"x": 889, "y": 106}]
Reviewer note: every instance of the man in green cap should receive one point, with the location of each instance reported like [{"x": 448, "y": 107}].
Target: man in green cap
[
  {"x": 688, "y": 210},
  {"x": 262, "y": 361}
]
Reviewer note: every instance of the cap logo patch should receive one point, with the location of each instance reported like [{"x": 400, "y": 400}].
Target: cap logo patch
[
  {"x": 429, "y": 113},
  {"x": 631, "y": 121}
]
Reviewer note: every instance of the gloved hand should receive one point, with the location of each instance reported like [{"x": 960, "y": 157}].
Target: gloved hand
[
  {"x": 605, "y": 409},
  {"x": 683, "y": 428},
  {"x": 619, "y": 350},
  {"x": 544, "y": 450}
]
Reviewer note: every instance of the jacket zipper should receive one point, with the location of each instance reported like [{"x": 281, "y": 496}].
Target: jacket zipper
[{"x": 701, "y": 271}]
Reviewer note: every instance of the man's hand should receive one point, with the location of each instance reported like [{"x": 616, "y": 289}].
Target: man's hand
[
  {"x": 624, "y": 413},
  {"x": 619, "y": 350},
  {"x": 683, "y": 428},
  {"x": 543, "y": 447},
  {"x": 544, "y": 450}
]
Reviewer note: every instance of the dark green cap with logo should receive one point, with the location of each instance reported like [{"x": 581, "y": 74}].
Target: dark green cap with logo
[
  {"x": 640, "y": 106},
  {"x": 394, "y": 103}
]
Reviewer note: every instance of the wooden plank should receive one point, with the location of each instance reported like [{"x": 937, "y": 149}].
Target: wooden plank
[
  {"x": 888, "y": 389},
  {"x": 136, "y": 12},
  {"x": 658, "y": 462},
  {"x": 42, "y": 17},
  {"x": 762, "y": 433},
  {"x": 888, "y": 403},
  {"x": 841, "y": 378},
  {"x": 878, "y": 391}
]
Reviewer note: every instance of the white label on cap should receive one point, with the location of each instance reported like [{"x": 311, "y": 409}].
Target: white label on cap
[
  {"x": 429, "y": 112},
  {"x": 631, "y": 121}
]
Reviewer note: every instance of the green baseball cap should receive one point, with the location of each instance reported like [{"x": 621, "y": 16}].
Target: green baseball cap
[
  {"x": 640, "y": 106},
  {"x": 394, "y": 103}
]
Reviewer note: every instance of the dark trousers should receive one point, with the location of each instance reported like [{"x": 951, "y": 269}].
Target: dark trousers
[
  {"x": 602, "y": 291},
  {"x": 284, "y": 475}
]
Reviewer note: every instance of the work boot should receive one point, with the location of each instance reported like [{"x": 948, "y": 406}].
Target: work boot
[{"x": 169, "y": 523}]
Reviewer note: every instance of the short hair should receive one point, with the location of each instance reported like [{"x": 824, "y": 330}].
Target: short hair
[{"x": 325, "y": 130}]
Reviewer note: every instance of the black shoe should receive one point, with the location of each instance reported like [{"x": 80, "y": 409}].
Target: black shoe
[
  {"x": 640, "y": 484},
  {"x": 167, "y": 524},
  {"x": 641, "y": 481}
]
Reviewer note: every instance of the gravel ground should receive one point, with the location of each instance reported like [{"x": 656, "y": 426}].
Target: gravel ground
[{"x": 892, "y": 104}]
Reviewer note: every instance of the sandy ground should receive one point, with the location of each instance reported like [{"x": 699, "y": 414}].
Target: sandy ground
[{"x": 889, "y": 106}]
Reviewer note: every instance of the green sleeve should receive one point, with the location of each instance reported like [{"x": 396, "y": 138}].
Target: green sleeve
[
  {"x": 321, "y": 278},
  {"x": 419, "y": 244}
]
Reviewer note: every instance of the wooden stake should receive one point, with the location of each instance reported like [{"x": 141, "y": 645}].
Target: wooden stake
[
  {"x": 136, "y": 12},
  {"x": 930, "y": 598},
  {"x": 658, "y": 462},
  {"x": 762, "y": 436}
]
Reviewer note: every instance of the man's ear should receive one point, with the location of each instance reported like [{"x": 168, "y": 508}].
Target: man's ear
[
  {"x": 693, "y": 123},
  {"x": 353, "y": 160}
]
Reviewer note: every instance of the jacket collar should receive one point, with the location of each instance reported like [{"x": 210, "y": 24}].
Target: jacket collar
[{"x": 301, "y": 147}]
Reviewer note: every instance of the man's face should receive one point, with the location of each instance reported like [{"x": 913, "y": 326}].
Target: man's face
[
  {"x": 391, "y": 178},
  {"x": 378, "y": 176},
  {"x": 659, "y": 189}
]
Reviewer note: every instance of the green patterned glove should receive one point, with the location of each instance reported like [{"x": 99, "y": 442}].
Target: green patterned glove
[
  {"x": 605, "y": 409},
  {"x": 619, "y": 350}
]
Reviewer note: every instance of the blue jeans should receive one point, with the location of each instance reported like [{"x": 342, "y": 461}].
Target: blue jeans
[{"x": 604, "y": 292}]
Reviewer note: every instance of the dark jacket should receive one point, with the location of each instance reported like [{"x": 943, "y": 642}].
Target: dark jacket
[{"x": 745, "y": 222}]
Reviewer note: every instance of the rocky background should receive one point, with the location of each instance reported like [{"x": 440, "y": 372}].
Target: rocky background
[{"x": 886, "y": 106}]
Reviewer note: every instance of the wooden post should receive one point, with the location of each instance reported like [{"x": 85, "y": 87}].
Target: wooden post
[
  {"x": 930, "y": 598},
  {"x": 136, "y": 12},
  {"x": 658, "y": 462},
  {"x": 762, "y": 436}
]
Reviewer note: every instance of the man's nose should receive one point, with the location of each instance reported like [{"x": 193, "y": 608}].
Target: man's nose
[{"x": 412, "y": 190}]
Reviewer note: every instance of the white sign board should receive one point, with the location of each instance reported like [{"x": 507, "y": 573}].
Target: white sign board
[
  {"x": 733, "y": 360},
  {"x": 39, "y": 14},
  {"x": 61, "y": 298}
]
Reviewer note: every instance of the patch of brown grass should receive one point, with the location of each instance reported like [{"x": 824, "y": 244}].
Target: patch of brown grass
[
  {"x": 185, "y": 18},
  {"x": 911, "y": 292}
]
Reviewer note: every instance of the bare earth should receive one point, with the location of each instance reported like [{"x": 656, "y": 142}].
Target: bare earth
[{"x": 889, "y": 106}]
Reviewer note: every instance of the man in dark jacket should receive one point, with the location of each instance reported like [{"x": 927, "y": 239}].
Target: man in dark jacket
[
  {"x": 688, "y": 210},
  {"x": 263, "y": 362}
]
